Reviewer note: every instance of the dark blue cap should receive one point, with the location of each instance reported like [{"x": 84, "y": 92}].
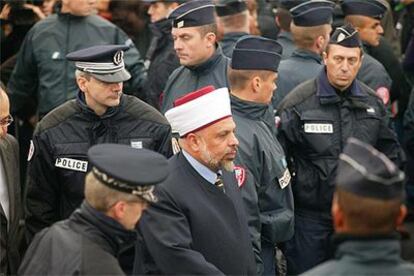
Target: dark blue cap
[
  {"x": 289, "y": 4},
  {"x": 366, "y": 172},
  {"x": 313, "y": 13},
  {"x": 346, "y": 36},
  {"x": 256, "y": 53},
  {"x": 129, "y": 170},
  {"x": 370, "y": 8},
  {"x": 104, "y": 62},
  {"x": 193, "y": 13},
  {"x": 230, "y": 7}
]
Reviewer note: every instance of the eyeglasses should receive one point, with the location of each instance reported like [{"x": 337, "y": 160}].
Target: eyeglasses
[{"x": 6, "y": 121}]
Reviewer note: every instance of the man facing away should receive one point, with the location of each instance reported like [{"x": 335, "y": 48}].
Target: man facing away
[{"x": 366, "y": 209}]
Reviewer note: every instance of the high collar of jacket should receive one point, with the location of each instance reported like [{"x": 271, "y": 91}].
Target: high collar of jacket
[
  {"x": 111, "y": 111},
  {"x": 367, "y": 248},
  {"x": 252, "y": 110},
  {"x": 285, "y": 34},
  {"x": 69, "y": 16},
  {"x": 233, "y": 35},
  {"x": 306, "y": 54},
  {"x": 161, "y": 27},
  {"x": 209, "y": 64},
  {"x": 329, "y": 94},
  {"x": 102, "y": 229}
]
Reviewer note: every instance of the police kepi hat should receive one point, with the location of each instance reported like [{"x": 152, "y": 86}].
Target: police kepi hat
[
  {"x": 129, "y": 170},
  {"x": 193, "y": 13},
  {"x": 346, "y": 36},
  {"x": 256, "y": 53},
  {"x": 366, "y": 172},
  {"x": 104, "y": 62},
  {"x": 230, "y": 7},
  {"x": 370, "y": 8},
  {"x": 313, "y": 13}
]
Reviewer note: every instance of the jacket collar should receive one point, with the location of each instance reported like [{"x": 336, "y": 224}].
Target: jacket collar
[
  {"x": 364, "y": 248},
  {"x": 286, "y": 35},
  {"x": 328, "y": 94},
  {"x": 253, "y": 111},
  {"x": 306, "y": 54},
  {"x": 102, "y": 229},
  {"x": 111, "y": 111},
  {"x": 209, "y": 64}
]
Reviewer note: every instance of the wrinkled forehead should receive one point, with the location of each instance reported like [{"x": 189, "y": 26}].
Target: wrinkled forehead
[{"x": 338, "y": 50}]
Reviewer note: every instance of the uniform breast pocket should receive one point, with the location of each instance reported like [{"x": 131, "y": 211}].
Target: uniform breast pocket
[
  {"x": 367, "y": 127},
  {"x": 318, "y": 131}
]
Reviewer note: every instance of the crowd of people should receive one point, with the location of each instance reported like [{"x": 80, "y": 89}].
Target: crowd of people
[{"x": 215, "y": 137}]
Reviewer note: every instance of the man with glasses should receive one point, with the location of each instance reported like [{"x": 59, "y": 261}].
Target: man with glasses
[{"x": 11, "y": 211}]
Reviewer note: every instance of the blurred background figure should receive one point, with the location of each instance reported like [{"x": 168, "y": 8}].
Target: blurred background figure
[{"x": 160, "y": 58}]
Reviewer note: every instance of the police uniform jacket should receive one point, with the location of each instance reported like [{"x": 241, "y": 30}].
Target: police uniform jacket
[
  {"x": 372, "y": 255},
  {"x": 228, "y": 41},
  {"x": 188, "y": 79},
  {"x": 87, "y": 243},
  {"x": 285, "y": 39},
  {"x": 262, "y": 174},
  {"x": 315, "y": 124},
  {"x": 373, "y": 73},
  {"x": 409, "y": 126},
  {"x": 303, "y": 65},
  {"x": 58, "y": 163},
  {"x": 163, "y": 61},
  {"x": 195, "y": 228},
  {"x": 42, "y": 73}
]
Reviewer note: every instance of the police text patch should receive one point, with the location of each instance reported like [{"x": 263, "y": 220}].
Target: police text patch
[
  {"x": 71, "y": 164},
  {"x": 285, "y": 179},
  {"x": 318, "y": 128}
]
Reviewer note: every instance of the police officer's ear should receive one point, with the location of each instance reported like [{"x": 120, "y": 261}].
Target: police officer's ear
[
  {"x": 211, "y": 39},
  {"x": 324, "y": 56},
  {"x": 82, "y": 82},
  {"x": 401, "y": 215},
  {"x": 256, "y": 84}
]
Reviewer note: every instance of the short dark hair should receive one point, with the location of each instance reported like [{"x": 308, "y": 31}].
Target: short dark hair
[
  {"x": 284, "y": 18},
  {"x": 368, "y": 215},
  {"x": 205, "y": 29},
  {"x": 238, "y": 79}
]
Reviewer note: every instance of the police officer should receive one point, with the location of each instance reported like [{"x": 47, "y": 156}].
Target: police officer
[
  {"x": 316, "y": 119},
  {"x": 261, "y": 167},
  {"x": 100, "y": 114},
  {"x": 233, "y": 17},
  {"x": 283, "y": 19},
  {"x": 365, "y": 16},
  {"x": 161, "y": 59},
  {"x": 202, "y": 61},
  {"x": 367, "y": 208},
  {"x": 310, "y": 27},
  {"x": 117, "y": 190}
]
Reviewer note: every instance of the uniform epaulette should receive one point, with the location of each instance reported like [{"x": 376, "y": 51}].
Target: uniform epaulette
[
  {"x": 297, "y": 95},
  {"x": 140, "y": 109},
  {"x": 58, "y": 115}
]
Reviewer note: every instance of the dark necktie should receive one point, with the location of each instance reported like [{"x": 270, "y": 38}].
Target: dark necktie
[{"x": 219, "y": 183}]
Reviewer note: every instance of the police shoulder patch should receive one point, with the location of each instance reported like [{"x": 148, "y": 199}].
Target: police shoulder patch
[{"x": 240, "y": 174}]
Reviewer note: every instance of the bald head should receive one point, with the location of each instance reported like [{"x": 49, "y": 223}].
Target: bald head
[{"x": 4, "y": 111}]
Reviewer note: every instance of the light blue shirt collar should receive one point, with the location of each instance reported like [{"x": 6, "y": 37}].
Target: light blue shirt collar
[{"x": 205, "y": 172}]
